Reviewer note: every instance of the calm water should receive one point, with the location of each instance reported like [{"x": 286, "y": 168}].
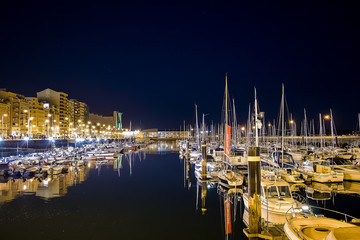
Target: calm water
[{"x": 145, "y": 195}]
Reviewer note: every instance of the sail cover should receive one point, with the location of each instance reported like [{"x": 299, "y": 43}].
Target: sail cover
[{"x": 227, "y": 140}]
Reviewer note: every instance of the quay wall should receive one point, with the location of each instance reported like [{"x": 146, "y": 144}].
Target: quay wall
[
  {"x": 37, "y": 144},
  {"x": 43, "y": 143}
]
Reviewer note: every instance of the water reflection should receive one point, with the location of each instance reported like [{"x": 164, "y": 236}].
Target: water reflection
[
  {"x": 351, "y": 187},
  {"x": 230, "y": 210},
  {"x": 187, "y": 182},
  {"x": 118, "y": 164},
  {"x": 162, "y": 147},
  {"x": 50, "y": 187},
  {"x": 202, "y": 187},
  {"x": 230, "y": 201},
  {"x": 53, "y": 186}
]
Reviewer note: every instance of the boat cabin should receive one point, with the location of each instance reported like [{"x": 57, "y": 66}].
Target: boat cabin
[{"x": 278, "y": 189}]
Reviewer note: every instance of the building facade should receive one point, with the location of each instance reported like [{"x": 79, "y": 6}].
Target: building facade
[
  {"x": 4, "y": 115},
  {"x": 78, "y": 113},
  {"x": 59, "y": 101},
  {"x": 16, "y": 117},
  {"x": 37, "y": 124},
  {"x": 51, "y": 114}
]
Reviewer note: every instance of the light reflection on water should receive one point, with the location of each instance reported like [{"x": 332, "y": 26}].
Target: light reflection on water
[{"x": 47, "y": 187}]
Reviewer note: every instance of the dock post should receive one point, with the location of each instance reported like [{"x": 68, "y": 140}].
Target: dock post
[
  {"x": 203, "y": 178},
  {"x": 254, "y": 181},
  {"x": 203, "y": 162}
]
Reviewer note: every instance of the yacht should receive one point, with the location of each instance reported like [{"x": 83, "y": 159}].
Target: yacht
[
  {"x": 318, "y": 171},
  {"x": 230, "y": 178},
  {"x": 292, "y": 176},
  {"x": 344, "y": 166},
  {"x": 276, "y": 199}
]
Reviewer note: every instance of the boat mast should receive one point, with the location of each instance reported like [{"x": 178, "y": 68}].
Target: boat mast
[
  {"x": 226, "y": 100},
  {"x": 274, "y": 132},
  {"x": 203, "y": 128},
  {"x": 256, "y": 122},
  {"x": 248, "y": 128},
  {"x": 282, "y": 127},
  {"x": 321, "y": 131},
  {"x": 184, "y": 130},
  {"x": 292, "y": 130},
  {"x": 305, "y": 130},
  {"x": 313, "y": 133},
  {"x": 332, "y": 128},
  {"x": 263, "y": 129},
  {"x": 235, "y": 132},
  {"x": 197, "y": 127}
]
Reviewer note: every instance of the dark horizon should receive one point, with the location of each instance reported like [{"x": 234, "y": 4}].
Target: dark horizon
[{"x": 153, "y": 62}]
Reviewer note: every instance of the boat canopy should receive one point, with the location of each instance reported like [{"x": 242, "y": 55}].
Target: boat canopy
[{"x": 288, "y": 159}]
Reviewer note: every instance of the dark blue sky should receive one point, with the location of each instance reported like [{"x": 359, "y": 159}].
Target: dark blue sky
[{"x": 153, "y": 61}]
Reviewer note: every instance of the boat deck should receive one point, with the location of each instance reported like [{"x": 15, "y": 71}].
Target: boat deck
[{"x": 270, "y": 232}]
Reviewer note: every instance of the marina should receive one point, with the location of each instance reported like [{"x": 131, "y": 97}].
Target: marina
[
  {"x": 100, "y": 182},
  {"x": 219, "y": 181},
  {"x": 199, "y": 120}
]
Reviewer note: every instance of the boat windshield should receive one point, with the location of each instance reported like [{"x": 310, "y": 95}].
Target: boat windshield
[
  {"x": 278, "y": 191},
  {"x": 238, "y": 153},
  {"x": 284, "y": 191},
  {"x": 286, "y": 159},
  {"x": 272, "y": 192},
  {"x": 340, "y": 161}
]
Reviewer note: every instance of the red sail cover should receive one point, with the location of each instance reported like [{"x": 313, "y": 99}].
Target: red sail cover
[
  {"x": 227, "y": 140},
  {"x": 227, "y": 216}
]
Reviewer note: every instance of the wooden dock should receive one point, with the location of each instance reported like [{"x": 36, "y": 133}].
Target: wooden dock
[{"x": 270, "y": 232}]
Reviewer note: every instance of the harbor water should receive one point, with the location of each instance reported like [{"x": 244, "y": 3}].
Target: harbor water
[{"x": 148, "y": 194}]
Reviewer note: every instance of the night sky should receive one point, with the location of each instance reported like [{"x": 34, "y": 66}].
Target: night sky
[{"x": 153, "y": 61}]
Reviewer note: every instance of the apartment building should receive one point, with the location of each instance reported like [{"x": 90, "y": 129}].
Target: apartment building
[{"x": 59, "y": 101}]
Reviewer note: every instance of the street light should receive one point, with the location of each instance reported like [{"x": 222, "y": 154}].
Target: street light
[
  {"x": 2, "y": 123},
  {"x": 48, "y": 125},
  {"x": 327, "y": 117},
  {"x": 52, "y": 121},
  {"x": 28, "y": 117},
  {"x": 68, "y": 125},
  {"x": 80, "y": 127},
  {"x": 29, "y": 126}
]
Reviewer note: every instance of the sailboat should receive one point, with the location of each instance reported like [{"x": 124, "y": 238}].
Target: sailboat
[
  {"x": 195, "y": 151},
  {"x": 230, "y": 176},
  {"x": 282, "y": 160},
  {"x": 276, "y": 195}
]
